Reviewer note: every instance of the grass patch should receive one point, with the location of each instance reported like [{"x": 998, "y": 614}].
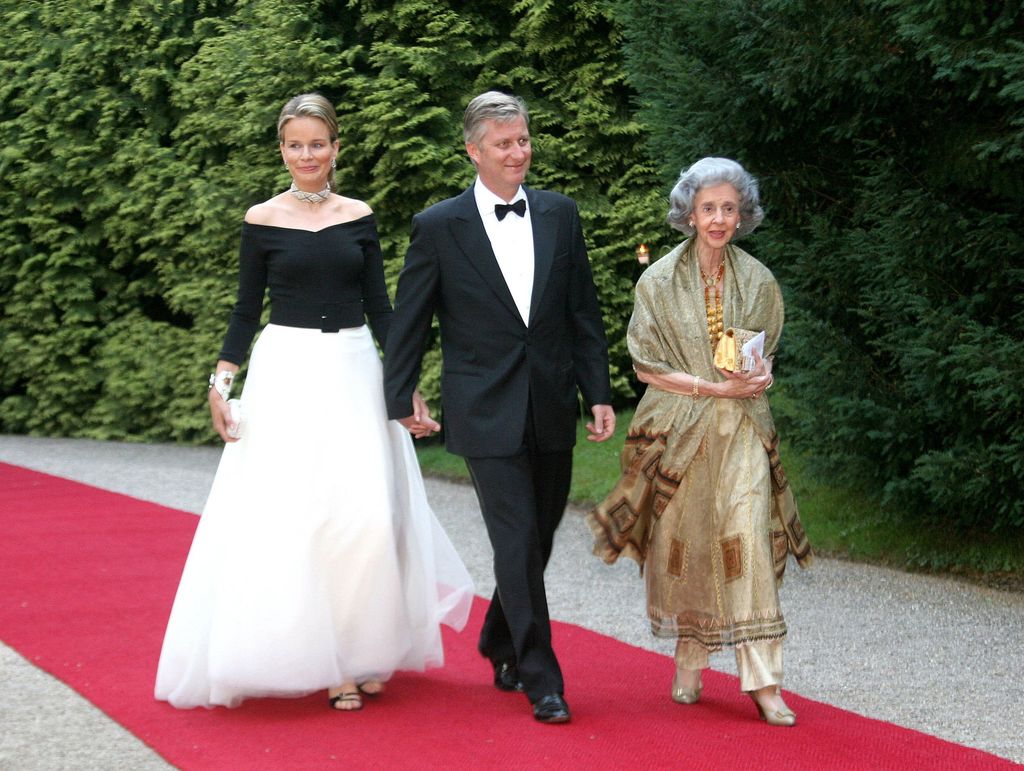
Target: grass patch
[
  {"x": 595, "y": 466},
  {"x": 847, "y": 522},
  {"x": 841, "y": 520},
  {"x": 436, "y": 461}
]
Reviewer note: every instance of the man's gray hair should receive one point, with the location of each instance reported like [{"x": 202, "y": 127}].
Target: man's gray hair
[
  {"x": 708, "y": 172},
  {"x": 492, "y": 105}
]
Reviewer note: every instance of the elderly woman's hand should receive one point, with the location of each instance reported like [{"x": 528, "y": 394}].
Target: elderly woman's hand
[
  {"x": 737, "y": 385},
  {"x": 747, "y": 385}
]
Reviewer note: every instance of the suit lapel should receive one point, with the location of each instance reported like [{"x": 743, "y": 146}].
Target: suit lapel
[
  {"x": 468, "y": 232},
  {"x": 542, "y": 221}
]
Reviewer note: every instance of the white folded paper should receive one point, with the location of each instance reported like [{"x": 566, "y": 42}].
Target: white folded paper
[{"x": 756, "y": 343}]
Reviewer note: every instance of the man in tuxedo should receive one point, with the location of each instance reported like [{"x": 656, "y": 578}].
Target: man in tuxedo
[{"x": 505, "y": 270}]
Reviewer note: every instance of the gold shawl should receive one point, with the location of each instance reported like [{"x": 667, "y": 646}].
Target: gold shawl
[{"x": 668, "y": 333}]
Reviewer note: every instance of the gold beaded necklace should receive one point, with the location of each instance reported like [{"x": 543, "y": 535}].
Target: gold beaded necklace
[{"x": 713, "y": 303}]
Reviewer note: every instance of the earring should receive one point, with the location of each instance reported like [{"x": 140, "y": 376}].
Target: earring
[
  {"x": 691, "y": 223},
  {"x": 334, "y": 164},
  {"x": 286, "y": 164},
  {"x": 738, "y": 223}
]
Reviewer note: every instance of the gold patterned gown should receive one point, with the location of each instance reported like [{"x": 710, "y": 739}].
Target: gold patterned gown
[{"x": 703, "y": 504}]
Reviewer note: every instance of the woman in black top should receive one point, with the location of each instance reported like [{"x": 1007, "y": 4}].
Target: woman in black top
[{"x": 317, "y": 563}]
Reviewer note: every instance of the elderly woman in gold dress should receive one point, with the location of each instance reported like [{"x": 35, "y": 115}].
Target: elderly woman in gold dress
[{"x": 703, "y": 504}]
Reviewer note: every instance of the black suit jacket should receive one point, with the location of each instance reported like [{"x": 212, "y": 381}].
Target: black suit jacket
[{"x": 492, "y": 361}]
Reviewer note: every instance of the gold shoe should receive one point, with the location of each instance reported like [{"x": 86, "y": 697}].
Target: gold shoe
[
  {"x": 682, "y": 695},
  {"x": 779, "y": 717}
]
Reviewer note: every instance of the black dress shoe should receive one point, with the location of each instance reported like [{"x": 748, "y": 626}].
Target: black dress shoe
[
  {"x": 506, "y": 676},
  {"x": 551, "y": 709}
]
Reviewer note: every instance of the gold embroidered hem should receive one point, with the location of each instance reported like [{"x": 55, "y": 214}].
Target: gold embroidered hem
[{"x": 714, "y": 633}]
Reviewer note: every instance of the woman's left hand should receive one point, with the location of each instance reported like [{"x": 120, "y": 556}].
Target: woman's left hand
[{"x": 420, "y": 424}]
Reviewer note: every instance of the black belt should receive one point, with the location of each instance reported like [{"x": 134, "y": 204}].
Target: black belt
[{"x": 327, "y": 317}]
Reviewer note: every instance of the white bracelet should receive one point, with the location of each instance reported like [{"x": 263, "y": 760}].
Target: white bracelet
[{"x": 221, "y": 381}]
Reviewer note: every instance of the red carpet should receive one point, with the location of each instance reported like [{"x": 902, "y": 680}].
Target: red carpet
[{"x": 87, "y": 581}]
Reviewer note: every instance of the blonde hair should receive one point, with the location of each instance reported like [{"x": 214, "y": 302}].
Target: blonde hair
[{"x": 309, "y": 106}]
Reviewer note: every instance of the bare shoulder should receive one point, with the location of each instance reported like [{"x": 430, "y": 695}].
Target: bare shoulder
[
  {"x": 351, "y": 208},
  {"x": 269, "y": 212}
]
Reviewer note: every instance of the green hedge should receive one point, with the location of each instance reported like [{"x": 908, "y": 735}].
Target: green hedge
[
  {"x": 888, "y": 135},
  {"x": 889, "y": 139},
  {"x": 135, "y": 135}
]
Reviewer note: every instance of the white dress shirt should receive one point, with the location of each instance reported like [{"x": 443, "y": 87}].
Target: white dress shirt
[{"x": 512, "y": 242}]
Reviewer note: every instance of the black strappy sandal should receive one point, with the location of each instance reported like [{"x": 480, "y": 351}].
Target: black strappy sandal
[{"x": 346, "y": 697}]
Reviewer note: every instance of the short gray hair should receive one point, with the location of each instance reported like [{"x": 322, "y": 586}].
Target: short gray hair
[
  {"x": 708, "y": 172},
  {"x": 492, "y": 105}
]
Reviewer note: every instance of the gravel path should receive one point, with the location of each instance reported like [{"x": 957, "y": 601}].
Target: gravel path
[{"x": 928, "y": 653}]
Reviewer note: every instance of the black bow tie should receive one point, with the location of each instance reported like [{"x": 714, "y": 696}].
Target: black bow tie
[{"x": 502, "y": 209}]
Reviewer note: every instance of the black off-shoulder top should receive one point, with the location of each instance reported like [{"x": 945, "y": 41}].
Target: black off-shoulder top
[{"x": 327, "y": 279}]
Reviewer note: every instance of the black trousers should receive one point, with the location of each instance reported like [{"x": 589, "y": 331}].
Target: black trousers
[{"x": 522, "y": 498}]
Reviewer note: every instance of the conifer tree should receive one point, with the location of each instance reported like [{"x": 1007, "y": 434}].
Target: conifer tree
[
  {"x": 141, "y": 132},
  {"x": 433, "y": 57},
  {"x": 889, "y": 139},
  {"x": 134, "y": 133}
]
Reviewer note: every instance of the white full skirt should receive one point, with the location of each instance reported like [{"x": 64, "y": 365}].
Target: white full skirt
[{"x": 317, "y": 559}]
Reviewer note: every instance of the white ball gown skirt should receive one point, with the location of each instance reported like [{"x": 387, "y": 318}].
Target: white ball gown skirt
[{"x": 317, "y": 559}]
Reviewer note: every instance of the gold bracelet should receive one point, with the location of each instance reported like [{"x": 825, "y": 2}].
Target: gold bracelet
[{"x": 696, "y": 386}]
